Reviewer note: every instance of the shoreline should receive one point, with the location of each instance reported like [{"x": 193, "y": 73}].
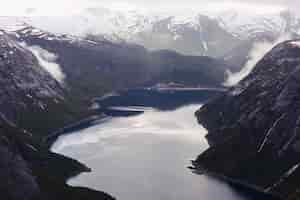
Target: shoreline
[
  {"x": 239, "y": 185},
  {"x": 88, "y": 121},
  {"x": 247, "y": 187},
  {"x": 77, "y": 125},
  {"x": 71, "y": 167}
]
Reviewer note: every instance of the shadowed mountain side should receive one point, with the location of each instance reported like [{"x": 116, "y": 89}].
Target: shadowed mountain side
[
  {"x": 93, "y": 68},
  {"x": 253, "y": 128},
  {"x": 32, "y": 99}
]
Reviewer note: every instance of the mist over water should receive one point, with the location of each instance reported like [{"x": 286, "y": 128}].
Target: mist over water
[{"x": 145, "y": 157}]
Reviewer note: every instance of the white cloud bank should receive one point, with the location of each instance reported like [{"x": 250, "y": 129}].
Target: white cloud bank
[
  {"x": 47, "y": 60},
  {"x": 258, "y": 51}
]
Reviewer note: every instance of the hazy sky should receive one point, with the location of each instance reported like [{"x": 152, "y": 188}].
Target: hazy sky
[{"x": 68, "y": 7}]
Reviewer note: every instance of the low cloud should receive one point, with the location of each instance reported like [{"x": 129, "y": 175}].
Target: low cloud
[
  {"x": 47, "y": 60},
  {"x": 258, "y": 51}
]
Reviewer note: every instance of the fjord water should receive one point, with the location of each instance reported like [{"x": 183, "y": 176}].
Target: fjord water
[{"x": 145, "y": 157}]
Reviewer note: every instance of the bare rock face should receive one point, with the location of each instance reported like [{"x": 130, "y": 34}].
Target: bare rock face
[
  {"x": 28, "y": 171},
  {"x": 22, "y": 78},
  {"x": 17, "y": 180},
  {"x": 254, "y": 128},
  {"x": 31, "y": 98}
]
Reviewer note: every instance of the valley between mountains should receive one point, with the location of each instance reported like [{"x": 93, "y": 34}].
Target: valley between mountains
[{"x": 53, "y": 84}]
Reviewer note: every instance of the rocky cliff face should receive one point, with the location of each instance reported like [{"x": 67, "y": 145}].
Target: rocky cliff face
[
  {"x": 29, "y": 95},
  {"x": 31, "y": 98},
  {"x": 16, "y": 175},
  {"x": 30, "y": 172},
  {"x": 254, "y": 128}
]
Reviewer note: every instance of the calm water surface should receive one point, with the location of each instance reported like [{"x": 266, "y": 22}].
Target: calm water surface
[{"x": 145, "y": 157}]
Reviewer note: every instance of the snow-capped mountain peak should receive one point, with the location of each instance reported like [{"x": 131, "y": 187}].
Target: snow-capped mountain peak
[{"x": 195, "y": 33}]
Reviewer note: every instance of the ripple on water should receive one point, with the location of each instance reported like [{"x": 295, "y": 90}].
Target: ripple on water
[{"x": 145, "y": 157}]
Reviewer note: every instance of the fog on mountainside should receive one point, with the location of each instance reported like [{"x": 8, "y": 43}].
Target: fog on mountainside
[
  {"x": 48, "y": 61},
  {"x": 258, "y": 51}
]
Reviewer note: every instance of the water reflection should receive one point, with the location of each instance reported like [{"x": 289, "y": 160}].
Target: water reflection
[{"x": 145, "y": 157}]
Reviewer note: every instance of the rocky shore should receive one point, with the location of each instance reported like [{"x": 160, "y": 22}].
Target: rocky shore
[{"x": 254, "y": 127}]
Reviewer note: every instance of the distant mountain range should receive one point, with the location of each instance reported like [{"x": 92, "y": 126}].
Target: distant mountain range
[{"x": 229, "y": 35}]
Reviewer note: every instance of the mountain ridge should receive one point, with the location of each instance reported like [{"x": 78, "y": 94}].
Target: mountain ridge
[
  {"x": 169, "y": 31},
  {"x": 254, "y": 127}
]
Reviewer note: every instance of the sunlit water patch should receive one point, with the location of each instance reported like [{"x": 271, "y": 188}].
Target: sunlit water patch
[{"x": 145, "y": 157}]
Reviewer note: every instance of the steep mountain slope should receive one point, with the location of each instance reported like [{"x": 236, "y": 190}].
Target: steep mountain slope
[
  {"x": 95, "y": 67},
  {"x": 31, "y": 98},
  {"x": 17, "y": 179},
  {"x": 31, "y": 172},
  {"x": 254, "y": 128}
]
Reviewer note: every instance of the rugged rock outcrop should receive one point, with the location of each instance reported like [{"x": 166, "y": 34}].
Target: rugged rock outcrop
[
  {"x": 29, "y": 95},
  {"x": 254, "y": 128},
  {"x": 30, "y": 172},
  {"x": 17, "y": 179},
  {"x": 30, "y": 98}
]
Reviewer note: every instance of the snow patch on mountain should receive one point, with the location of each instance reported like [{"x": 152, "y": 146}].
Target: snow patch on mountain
[
  {"x": 125, "y": 24},
  {"x": 190, "y": 33},
  {"x": 248, "y": 25},
  {"x": 12, "y": 23}
]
